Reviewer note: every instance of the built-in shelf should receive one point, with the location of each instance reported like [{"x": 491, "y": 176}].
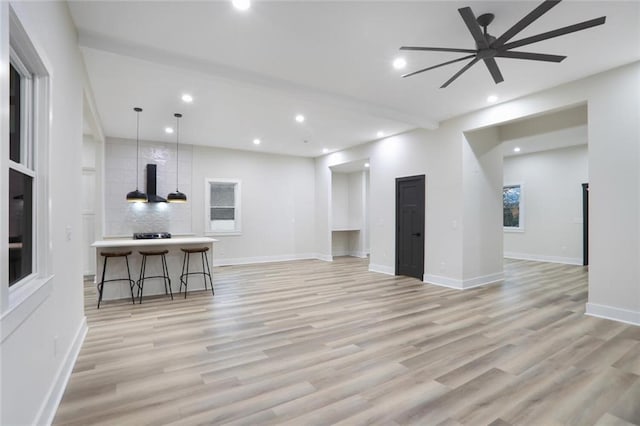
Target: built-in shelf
[{"x": 345, "y": 229}]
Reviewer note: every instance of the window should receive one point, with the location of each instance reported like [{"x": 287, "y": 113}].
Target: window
[
  {"x": 512, "y": 211},
  {"x": 25, "y": 160},
  {"x": 22, "y": 173},
  {"x": 222, "y": 206}
]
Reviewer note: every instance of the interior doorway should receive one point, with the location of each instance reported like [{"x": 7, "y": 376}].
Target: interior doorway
[{"x": 410, "y": 207}]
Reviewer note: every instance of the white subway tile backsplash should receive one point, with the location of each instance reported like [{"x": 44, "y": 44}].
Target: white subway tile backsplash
[{"x": 123, "y": 218}]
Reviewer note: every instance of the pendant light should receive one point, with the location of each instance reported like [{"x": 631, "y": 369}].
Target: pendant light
[
  {"x": 177, "y": 197},
  {"x": 137, "y": 196}
]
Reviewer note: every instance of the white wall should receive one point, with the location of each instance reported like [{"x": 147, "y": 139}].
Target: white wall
[
  {"x": 340, "y": 218},
  {"x": 41, "y": 335},
  {"x": 552, "y": 189},
  {"x": 278, "y": 204},
  {"x": 413, "y": 153}
]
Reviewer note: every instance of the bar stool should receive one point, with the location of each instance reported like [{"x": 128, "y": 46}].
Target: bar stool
[
  {"x": 184, "y": 276},
  {"x": 143, "y": 270},
  {"x": 107, "y": 256}
]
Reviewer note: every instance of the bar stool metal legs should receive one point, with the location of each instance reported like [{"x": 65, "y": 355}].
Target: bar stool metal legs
[
  {"x": 106, "y": 256},
  {"x": 206, "y": 271},
  {"x": 164, "y": 276}
]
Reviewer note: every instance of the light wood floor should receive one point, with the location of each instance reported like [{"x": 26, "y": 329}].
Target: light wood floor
[{"x": 310, "y": 342}]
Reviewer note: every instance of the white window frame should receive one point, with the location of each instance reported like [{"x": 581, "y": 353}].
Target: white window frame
[
  {"x": 238, "y": 207},
  {"x": 520, "y": 227},
  {"x": 18, "y": 301}
]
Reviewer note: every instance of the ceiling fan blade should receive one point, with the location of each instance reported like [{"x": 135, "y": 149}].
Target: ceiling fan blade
[
  {"x": 439, "y": 65},
  {"x": 494, "y": 70},
  {"x": 555, "y": 33},
  {"x": 438, "y": 49},
  {"x": 474, "y": 28},
  {"x": 543, "y": 8},
  {"x": 530, "y": 56},
  {"x": 456, "y": 75}
]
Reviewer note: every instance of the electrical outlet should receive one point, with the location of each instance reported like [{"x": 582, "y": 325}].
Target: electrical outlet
[{"x": 68, "y": 232}]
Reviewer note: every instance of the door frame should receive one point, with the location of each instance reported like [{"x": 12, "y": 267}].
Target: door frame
[{"x": 399, "y": 180}]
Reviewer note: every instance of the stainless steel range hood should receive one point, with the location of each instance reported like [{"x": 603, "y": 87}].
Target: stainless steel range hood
[{"x": 152, "y": 184}]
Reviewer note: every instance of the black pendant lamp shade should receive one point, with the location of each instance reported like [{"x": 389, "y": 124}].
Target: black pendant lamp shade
[
  {"x": 137, "y": 196},
  {"x": 177, "y": 197}
]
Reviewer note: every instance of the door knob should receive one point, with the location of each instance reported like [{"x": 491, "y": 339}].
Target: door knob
[{"x": 417, "y": 234}]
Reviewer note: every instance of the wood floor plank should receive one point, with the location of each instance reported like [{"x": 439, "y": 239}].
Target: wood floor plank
[{"x": 312, "y": 342}]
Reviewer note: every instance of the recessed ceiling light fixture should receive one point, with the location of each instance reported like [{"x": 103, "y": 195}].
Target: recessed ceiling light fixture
[
  {"x": 380, "y": 134},
  {"x": 325, "y": 150},
  {"x": 516, "y": 149},
  {"x": 187, "y": 98},
  {"x": 492, "y": 98},
  {"x": 366, "y": 165},
  {"x": 168, "y": 130},
  {"x": 399, "y": 63},
  {"x": 241, "y": 4},
  {"x": 256, "y": 141},
  {"x": 300, "y": 118}
]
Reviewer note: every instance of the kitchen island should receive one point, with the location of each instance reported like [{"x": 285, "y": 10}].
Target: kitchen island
[{"x": 116, "y": 268}]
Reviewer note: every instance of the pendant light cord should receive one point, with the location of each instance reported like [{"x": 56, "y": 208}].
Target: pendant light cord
[
  {"x": 177, "y": 148},
  {"x": 137, "y": 145}
]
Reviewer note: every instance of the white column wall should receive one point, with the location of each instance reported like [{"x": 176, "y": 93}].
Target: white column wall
[
  {"x": 482, "y": 179},
  {"x": 41, "y": 336}
]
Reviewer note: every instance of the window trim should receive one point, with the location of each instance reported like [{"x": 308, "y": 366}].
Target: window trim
[
  {"x": 207, "y": 207},
  {"x": 23, "y": 297},
  {"x": 520, "y": 227}
]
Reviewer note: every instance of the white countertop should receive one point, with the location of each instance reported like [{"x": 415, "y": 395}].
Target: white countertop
[{"x": 130, "y": 242}]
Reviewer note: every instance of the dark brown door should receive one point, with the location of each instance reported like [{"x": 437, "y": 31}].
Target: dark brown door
[
  {"x": 410, "y": 226},
  {"x": 585, "y": 224}
]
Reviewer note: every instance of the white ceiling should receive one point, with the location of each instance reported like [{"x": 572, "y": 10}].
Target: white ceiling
[{"x": 251, "y": 72}]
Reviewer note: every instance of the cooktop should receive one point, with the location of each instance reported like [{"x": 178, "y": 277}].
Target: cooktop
[{"x": 150, "y": 235}]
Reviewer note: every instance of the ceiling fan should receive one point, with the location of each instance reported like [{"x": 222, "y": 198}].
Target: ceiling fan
[{"x": 489, "y": 47}]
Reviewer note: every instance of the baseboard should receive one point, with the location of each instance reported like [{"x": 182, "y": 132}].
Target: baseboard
[
  {"x": 442, "y": 281},
  {"x": 360, "y": 254},
  {"x": 50, "y": 406},
  {"x": 263, "y": 259},
  {"x": 463, "y": 284},
  {"x": 325, "y": 257},
  {"x": 542, "y": 258},
  {"x": 616, "y": 314},
  {"x": 382, "y": 269}
]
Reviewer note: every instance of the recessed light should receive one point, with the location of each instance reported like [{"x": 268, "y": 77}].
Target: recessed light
[
  {"x": 168, "y": 130},
  {"x": 187, "y": 98},
  {"x": 516, "y": 149},
  {"x": 492, "y": 98},
  {"x": 366, "y": 165},
  {"x": 241, "y": 4},
  {"x": 299, "y": 118},
  {"x": 325, "y": 150},
  {"x": 380, "y": 134},
  {"x": 399, "y": 63},
  {"x": 256, "y": 141}
]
